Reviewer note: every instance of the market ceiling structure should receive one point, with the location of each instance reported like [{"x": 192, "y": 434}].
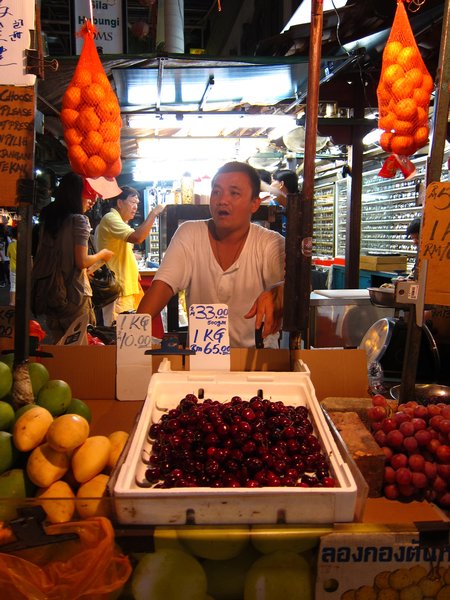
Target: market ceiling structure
[{"x": 165, "y": 95}]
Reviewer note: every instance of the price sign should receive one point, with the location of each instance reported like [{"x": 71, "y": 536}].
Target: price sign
[
  {"x": 435, "y": 243},
  {"x": 134, "y": 367},
  {"x": 6, "y": 325},
  {"x": 209, "y": 337}
]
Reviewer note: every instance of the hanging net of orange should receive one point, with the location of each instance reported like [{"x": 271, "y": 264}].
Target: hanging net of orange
[
  {"x": 91, "y": 115},
  {"x": 404, "y": 90}
]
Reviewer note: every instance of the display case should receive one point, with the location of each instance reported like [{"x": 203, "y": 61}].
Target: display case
[
  {"x": 388, "y": 206},
  {"x": 323, "y": 218}
]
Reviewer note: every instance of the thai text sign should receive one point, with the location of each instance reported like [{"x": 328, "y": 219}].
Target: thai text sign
[{"x": 435, "y": 243}]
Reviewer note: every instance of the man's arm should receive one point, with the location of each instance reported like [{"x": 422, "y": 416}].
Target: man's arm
[
  {"x": 155, "y": 298},
  {"x": 142, "y": 231},
  {"x": 268, "y": 309}
]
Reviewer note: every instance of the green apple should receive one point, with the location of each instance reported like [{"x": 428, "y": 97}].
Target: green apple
[
  {"x": 168, "y": 574},
  {"x": 39, "y": 376},
  {"x": 55, "y": 396},
  {"x": 14, "y": 485},
  {"x": 279, "y": 576},
  {"x": 8, "y": 359},
  {"x": 289, "y": 538},
  {"x": 6, "y": 379},
  {"x": 78, "y": 407},
  {"x": 9, "y": 455},
  {"x": 226, "y": 578},
  {"x": 216, "y": 542},
  {"x": 6, "y": 416}
]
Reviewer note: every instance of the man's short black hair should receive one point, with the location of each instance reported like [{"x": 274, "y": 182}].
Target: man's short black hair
[
  {"x": 241, "y": 167},
  {"x": 413, "y": 227}
]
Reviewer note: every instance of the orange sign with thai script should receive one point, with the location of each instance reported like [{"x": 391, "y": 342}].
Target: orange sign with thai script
[
  {"x": 435, "y": 243},
  {"x": 17, "y": 110}
]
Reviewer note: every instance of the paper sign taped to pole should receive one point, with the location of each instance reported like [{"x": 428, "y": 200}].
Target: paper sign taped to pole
[{"x": 435, "y": 243}]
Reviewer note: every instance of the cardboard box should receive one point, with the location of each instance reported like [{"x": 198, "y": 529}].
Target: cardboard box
[
  {"x": 91, "y": 370},
  {"x": 358, "y": 561},
  {"x": 383, "y": 263}
]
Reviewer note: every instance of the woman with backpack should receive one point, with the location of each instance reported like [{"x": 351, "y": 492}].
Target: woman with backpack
[{"x": 60, "y": 284}]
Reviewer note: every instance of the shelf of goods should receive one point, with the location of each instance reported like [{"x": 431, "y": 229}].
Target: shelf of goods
[
  {"x": 388, "y": 206},
  {"x": 323, "y": 219}
]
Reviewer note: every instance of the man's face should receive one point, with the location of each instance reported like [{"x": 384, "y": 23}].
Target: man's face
[
  {"x": 128, "y": 207},
  {"x": 415, "y": 239},
  {"x": 232, "y": 203}
]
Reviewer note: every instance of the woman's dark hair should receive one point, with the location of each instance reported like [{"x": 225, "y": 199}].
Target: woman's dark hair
[
  {"x": 289, "y": 178},
  {"x": 68, "y": 201},
  {"x": 265, "y": 176},
  {"x": 413, "y": 227},
  {"x": 240, "y": 167}
]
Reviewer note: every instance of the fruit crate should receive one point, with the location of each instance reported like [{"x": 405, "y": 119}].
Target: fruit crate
[{"x": 138, "y": 502}]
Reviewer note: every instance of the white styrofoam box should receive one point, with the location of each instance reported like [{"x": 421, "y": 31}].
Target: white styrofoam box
[{"x": 137, "y": 502}]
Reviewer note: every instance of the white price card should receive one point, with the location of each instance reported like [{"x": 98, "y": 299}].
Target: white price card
[
  {"x": 134, "y": 367},
  {"x": 7, "y": 322},
  {"x": 209, "y": 337}
]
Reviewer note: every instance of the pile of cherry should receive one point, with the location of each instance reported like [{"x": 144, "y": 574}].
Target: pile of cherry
[
  {"x": 416, "y": 442},
  {"x": 238, "y": 443}
]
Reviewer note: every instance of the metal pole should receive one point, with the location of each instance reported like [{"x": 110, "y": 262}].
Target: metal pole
[
  {"x": 434, "y": 170},
  {"x": 300, "y": 206}
]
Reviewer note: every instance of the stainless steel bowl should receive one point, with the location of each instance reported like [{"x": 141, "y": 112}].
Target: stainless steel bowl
[
  {"x": 426, "y": 393},
  {"x": 382, "y": 296}
]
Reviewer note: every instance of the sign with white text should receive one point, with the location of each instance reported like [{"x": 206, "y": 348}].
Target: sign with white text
[
  {"x": 107, "y": 18},
  {"x": 209, "y": 337},
  {"x": 16, "y": 22},
  {"x": 435, "y": 243},
  {"x": 134, "y": 367}
]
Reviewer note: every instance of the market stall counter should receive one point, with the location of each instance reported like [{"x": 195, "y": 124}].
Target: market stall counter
[{"x": 227, "y": 561}]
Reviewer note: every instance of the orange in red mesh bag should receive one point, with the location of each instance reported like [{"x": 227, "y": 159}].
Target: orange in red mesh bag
[
  {"x": 91, "y": 115},
  {"x": 404, "y": 90}
]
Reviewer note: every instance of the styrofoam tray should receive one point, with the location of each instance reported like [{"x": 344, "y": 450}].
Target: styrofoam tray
[{"x": 136, "y": 502}]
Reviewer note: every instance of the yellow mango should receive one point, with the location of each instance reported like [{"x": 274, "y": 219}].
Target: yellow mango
[
  {"x": 45, "y": 465},
  {"x": 67, "y": 432},
  {"x": 31, "y": 428},
  {"x": 118, "y": 440},
  {"x": 58, "y": 501},
  {"x": 91, "y": 500},
  {"x": 89, "y": 459}
]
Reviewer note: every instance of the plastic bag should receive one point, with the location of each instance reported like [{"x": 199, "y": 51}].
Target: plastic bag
[
  {"x": 89, "y": 567},
  {"x": 404, "y": 91},
  {"x": 91, "y": 115}
]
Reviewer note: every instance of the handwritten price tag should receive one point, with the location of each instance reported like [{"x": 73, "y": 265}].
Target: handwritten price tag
[
  {"x": 7, "y": 322},
  {"x": 134, "y": 367},
  {"x": 209, "y": 337}
]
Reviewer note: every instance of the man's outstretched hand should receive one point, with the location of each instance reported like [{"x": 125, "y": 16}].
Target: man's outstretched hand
[{"x": 268, "y": 309}]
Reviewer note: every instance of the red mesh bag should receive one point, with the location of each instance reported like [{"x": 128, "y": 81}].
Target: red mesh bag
[
  {"x": 91, "y": 115},
  {"x": 88, "y": 568},
  {"x": 404, "y": 90}
]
